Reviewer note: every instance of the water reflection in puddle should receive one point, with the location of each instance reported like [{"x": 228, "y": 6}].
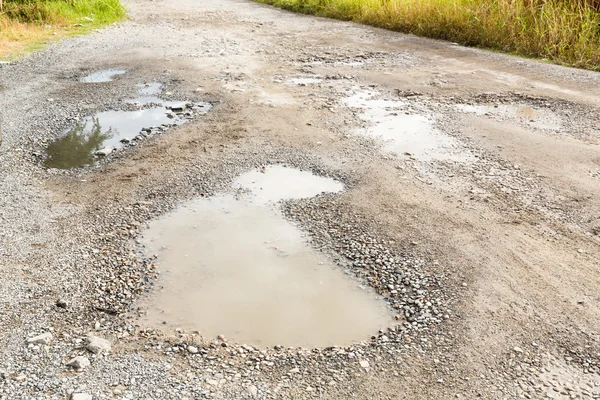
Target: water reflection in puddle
[
  {"x": 237, "y": 267},
  {"x": 106, "y": 131},
  {"x": 103, "y": 76},
  {"x": 404, "y": 133}
]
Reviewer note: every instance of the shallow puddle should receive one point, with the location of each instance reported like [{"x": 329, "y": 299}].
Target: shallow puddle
[
  {"x": 538, "y": 118},
  {"x": 103, "y": 76},
  {"x": 237, "y": 267},
  {"x": 103, "y": 133},
  {"x": 403, "y": 132},
  {"x": 107, "y": 131}
]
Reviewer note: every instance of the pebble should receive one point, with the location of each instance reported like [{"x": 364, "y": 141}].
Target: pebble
[
  {"x": 79, "y": 363},
  {"x": 81, "y": 396},
  {"x": 97, "y": 344},
  {"x": 44, "y": 338}
]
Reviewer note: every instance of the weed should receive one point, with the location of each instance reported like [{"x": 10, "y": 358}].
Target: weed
[
  {"x": 25, "y": 24},
  {"x": 563, "y": 31}
]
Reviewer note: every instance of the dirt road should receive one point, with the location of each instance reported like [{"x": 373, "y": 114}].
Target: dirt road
[{"x": 471, "y": 207}]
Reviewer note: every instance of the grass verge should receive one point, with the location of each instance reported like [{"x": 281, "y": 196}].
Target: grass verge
[
  {"x": 26, "y": 25},
  {"x": 563, "y": 31}
]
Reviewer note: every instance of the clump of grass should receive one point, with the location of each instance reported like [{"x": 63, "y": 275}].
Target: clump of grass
[
  {"x": 27, "y": 23},
  {"x": 563, "y": 31}
]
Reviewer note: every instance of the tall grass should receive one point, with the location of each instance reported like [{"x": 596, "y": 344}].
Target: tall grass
[
  {"x": 28, "y": 22},
  {"x": 563, "y": 31}
]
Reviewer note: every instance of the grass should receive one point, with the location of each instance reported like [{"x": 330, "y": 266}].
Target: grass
[
  {"x": 25, "y": 25},
  {"x": 563, "y": 31}
]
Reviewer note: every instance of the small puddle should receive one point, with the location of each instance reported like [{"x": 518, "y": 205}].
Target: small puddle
[
  {"x": 538, "y": 118},
  {"x": 403, "y": 132},
  {"x": 101, "y": 134},
  {"x": 237, "y": 267},
  {"x": 102, "y": 76}
]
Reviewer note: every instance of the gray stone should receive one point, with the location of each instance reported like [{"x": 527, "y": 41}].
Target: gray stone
[
  {"x": 81, "y": 396},
  {"x": 79, "y": 363},
  {"x": 97, "y": 344},
  {"x": 104, "y": 152},
  {"x": 44, "y": 338}
]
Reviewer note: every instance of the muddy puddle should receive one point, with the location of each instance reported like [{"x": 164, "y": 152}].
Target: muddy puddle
[
  {"x": 403, "y": 131},
  {"x": 106, "y": 75},
  {"x": 234, "y": 266},
  {"x": 101, "y": 134},
  {"x": 542, "y": 119}
]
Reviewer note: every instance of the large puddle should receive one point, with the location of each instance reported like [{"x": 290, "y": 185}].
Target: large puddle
[
  {"x": 234, "y": 266},
  {"x": 99, "y": 135},
  {"x": 404, "y": 132}
]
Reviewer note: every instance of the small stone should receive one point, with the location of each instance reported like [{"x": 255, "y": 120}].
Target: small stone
[
  {"x": 104, "y": 152},
  {"x": 60, "y": 303},
  {"x": 44, "y": 338},
  {"x": 253, "y": 390},
  {"x": 517, "y": 349},
  {"x": 79, "y": 363},
  {"x": 192, "y": 349},
  {"x": 212, "y": 382},
  {"x": 294, "y": 370},
  {"x": 364, "y": 364},
  {"x": 81, "y": 396},
  {"x": 97, "y": 344}
]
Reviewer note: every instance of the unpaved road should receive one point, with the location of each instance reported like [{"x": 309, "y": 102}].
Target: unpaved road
[{"x": 491, "y": 229}]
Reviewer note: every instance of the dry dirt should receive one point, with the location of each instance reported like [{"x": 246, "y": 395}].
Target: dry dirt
[{"x": 512, "y": 224}]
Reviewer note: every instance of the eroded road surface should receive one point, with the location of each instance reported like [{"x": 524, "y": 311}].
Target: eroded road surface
[{"x": 218, "y": 199}]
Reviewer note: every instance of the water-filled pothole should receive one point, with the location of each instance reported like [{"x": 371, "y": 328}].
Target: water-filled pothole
[
  {"x": 101, "y": 134},
  {"x": 404, "y": 132},
  {"x": 237, "y": 267},
  {"x": 539, "y": 118},
  {"x": 106, "y": 75}
]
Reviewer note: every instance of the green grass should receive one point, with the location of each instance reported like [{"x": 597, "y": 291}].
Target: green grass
[
  {"x": 27, "y": 24},
  {"x": 562, "y": 31}
]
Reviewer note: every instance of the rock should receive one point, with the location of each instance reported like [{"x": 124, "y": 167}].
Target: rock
[
  {"x": 294, "y": 370},
  {"x": 104, "y": 152},
  {"x": 253, "y": 390},
  {"x": 44, "y": 338},
  {"x": 125, "y": 140},
  {"x": 212, "y": 382},
  {"x": 364, "y": 364},
  {"x": 60, "y": 303},
  {"x": 517, "y": 349},
  {"x": 192, "y": 349},
  {"x": 97, "y": 344},
  {"x": 79, "y": 363},
  {"x": 81, "y": 396}
]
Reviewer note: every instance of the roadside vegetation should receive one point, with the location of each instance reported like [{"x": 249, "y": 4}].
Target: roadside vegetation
[
  {"x": 562, "y": 31},
  {"x": 26, "y": 24}
]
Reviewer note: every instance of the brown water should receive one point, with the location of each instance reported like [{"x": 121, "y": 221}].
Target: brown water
[{"x": 236, "y": 267}]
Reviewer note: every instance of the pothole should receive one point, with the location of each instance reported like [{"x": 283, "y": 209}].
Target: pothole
[
  {"x": 235, "y": 266},
  {"x": 538, "y": 118},
  {"x": 403, "y": 131},
  {"x": 106, "y": 75},
  {"x": 101, "y": 134}
]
